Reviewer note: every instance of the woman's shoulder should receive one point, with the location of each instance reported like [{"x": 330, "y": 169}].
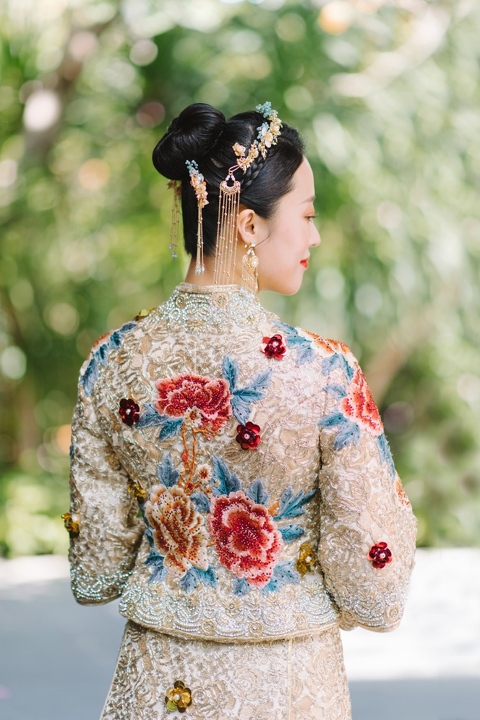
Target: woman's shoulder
[{"x": 309, "y": 346}]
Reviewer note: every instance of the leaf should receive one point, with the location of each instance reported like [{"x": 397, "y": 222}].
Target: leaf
[
  {"x": 167, "y": 474},
  {"x": 230, "y": 372},
  {"x": 201, "y": 501},
  {"x": 385, "y": 453},
  {"x": 102, "y": 354},
  {"x": 331, "y": 363},
  {"x": 349, "y": 434},
  {"x": 303, "y": 346},
  {"x": 240, "y": 587},
  {"x": 336, "y": 418},
  {"x": 156, "y": 562},
  {"x": 170, "y": 428},
  {"x": 338, "y": 391},
  {"x": 207, "y": 577},
  {"x": 254, "y": 391},
  {"x": 292, "y": 506},
  {"x": 189, "y": 581},
  {"x": 257, "y": 493},
  {"x": 90, "y": 376},
  {"x": 228, "y": 482},
  {"x": 150, "y": 417},
  {"x": 291, "y": 532},
  {"x": 283, "y": 574}
]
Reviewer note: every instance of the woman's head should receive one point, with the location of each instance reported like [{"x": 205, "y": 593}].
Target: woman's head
[{"x": 201, "y": 133}]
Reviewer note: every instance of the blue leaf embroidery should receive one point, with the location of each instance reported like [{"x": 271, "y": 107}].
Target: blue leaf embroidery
[
  {"x": 292, "y": 505},
  {"x": 90, "y": 376},
  {"x": 227, "y": 482},
  {"x": 291, "y": 532},
  {"x": 257, "y": 493},
  {"x": 156, "y": 562},
  {"x": 303, "y": 346},
  {"x": 283, "y": 574},
  {"x": 100, "y": 356},
  {"x": 338, "y": 391},
  {"x": 151, "y": 417},
  {"x": 240, "y": 586},
  {"x": 201, "y": 502},
  {"x": 385, "y": 453},
  {"x": 189, "y": 581},
  {"x": 338, "y": 361},
  {"x": 170, "y": 428},
  {"x": 253, "y": 392},
  {"x": 335, "y": 418},
  {"x": 230, "y": 372},
  {"x": 348, "y": 434},
  {"x": 167, "y": 474},
  {"x": 207, "y": 577}
]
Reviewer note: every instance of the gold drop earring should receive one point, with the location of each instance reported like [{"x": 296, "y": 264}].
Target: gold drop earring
[{"x": 250, "y": 269}]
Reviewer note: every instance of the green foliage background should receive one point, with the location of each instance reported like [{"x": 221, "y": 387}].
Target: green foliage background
[{"x": 387, "y": 96}]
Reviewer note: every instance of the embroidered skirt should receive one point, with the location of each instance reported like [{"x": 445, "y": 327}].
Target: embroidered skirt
[{"x": 298, "y": 679}]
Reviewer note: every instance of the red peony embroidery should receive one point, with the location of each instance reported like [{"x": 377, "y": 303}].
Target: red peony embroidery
[
  {"x": 274, "y": 347},
  {"x": 129, "y": 411},
  {"x": 179, "y": 531},
  {"x": 247, "y": 540},
  {"x": 211, "y": 398},
  {"x": 248, "y": 436},
  {"x": 380, "y": 555},
  {"x": 360, "y": 405}
]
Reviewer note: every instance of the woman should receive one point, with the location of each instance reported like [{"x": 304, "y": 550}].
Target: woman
[{"x": 231, "y": 480}]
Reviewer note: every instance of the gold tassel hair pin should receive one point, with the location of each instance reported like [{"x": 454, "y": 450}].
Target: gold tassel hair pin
[
  {"x": 197, "y": 181},
  {"x": 176, "y": 186}
]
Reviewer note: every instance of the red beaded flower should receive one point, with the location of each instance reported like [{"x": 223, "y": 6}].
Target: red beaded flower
[
  {"x": 247, "y": 540},
  {"x": 380, "y": 555},
  {"x": 179, "y": 395},
  {"x": 129, "y": 411},
  {"x": 274, "y": 347},
  {"x": 248, "y": 436},
  {"x": 360, "y": 406}
]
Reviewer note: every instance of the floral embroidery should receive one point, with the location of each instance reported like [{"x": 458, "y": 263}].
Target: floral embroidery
[
  {"x": 328, "y": 344},
  {"x": 246, "y": 538},
  {"x": 356, "y": 409},
  {"x": 129, "y": 411},
  {"x": 100, "y": 351},
  {"x": 178, "y": 530},
  {"x": 72, "y": 523},
  {"x": 179, "y": 697},
  {"x": 306, "y": 558},
  {"x": 137, "y": 491},
  {"x": 207, "y": 400},
  {"x": 380, "y": 555},
  {"x": 360, "y": 406},
  {"x": 302, "y": 345},
  {"x": 274, "y": 347},
  {"x": 248, "y": 436},
  {"x": 401, "y": 492}
]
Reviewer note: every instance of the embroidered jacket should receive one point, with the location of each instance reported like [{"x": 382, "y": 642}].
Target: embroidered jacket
[{"x": 231, "y": 479}]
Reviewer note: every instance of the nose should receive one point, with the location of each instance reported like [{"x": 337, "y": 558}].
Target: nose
[{"x": 315, "y": 240}]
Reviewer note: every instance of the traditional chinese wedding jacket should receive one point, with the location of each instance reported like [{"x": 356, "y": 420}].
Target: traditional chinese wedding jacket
[{"x": 231, "y": 479}]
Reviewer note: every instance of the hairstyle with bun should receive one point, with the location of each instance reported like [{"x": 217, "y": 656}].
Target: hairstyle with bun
[{"x": 202, "y": 133}]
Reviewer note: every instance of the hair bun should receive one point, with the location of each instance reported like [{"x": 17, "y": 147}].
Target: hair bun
[{"x": 190, "y": 136}]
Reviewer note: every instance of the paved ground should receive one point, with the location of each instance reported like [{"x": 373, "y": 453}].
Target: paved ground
[{"x": 57, "y": 658}]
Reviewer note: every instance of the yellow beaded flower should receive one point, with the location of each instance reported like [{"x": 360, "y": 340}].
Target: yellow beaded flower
[
  {"x": 137, "y": 491},
  {"x": 72, "y": 523},
  {"x": 179, "y": 697},
  {"x": 306, "y": 558}
]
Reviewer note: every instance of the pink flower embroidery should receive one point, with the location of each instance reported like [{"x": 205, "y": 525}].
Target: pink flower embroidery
[
  {"x": 179, "y": 531},
  {"x": 211, "y": 398},
  {"x": 247, "y": 540},
  {"x": 360, "y": 406},
  {"x": 380, "y": 555}
]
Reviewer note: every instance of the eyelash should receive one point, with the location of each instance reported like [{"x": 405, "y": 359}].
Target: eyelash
[{"x": 312, "y": 217}]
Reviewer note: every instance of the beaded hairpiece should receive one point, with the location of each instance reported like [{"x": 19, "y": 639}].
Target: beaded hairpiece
[
  {"x": 197, "y": 181},
  {"x": 229, "y": 202}
]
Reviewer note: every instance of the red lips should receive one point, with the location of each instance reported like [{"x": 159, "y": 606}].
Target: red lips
[{"x": 304, "y": 263}]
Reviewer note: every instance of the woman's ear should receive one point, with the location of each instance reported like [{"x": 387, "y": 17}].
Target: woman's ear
[{"x": 251, "y": 228}]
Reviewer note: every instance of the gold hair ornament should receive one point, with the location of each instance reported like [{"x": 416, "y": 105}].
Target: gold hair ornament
[
  {"x": 197, "y": 181},
  {"x": 176, "y": 186},
  {"x": 229, "y": 203}
]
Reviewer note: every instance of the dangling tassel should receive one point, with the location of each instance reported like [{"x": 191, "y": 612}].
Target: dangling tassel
[
  {"x": 226, "y": 248},
  {"x": 250, "y": 269},
  {"x": 199, "y": 266},
  {"x": 176, "y": 186}
]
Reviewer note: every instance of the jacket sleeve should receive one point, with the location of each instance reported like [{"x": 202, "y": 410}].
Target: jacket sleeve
[
  {"x": 367, "y": 527},
  {"x": 104, "y": 530}
]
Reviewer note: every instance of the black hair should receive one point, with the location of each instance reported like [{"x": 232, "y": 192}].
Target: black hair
[{"x": 202, "y": 133}]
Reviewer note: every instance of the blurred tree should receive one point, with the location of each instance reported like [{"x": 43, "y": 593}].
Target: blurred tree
[{"x": 387, "y": 96}]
